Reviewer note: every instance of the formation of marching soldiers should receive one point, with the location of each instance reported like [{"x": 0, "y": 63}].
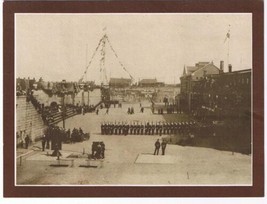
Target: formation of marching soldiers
[{"x": 148, "y": 128}]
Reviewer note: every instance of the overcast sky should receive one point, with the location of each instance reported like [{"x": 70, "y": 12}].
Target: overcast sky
[{"x": 149, "y": 45}]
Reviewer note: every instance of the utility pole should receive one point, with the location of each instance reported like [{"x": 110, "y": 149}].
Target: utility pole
[{"x": 63, "y": 110}]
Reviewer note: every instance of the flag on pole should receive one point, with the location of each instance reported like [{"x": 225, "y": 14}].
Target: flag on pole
[{"x": 227, "y": 36}]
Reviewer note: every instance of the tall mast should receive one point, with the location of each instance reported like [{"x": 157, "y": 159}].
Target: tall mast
[
  {"x": 86, "y": 60},
  {"x": 103, "y": 71}
]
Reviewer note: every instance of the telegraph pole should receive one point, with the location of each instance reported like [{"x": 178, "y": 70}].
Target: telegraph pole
[{"x": 63, "y": 110}]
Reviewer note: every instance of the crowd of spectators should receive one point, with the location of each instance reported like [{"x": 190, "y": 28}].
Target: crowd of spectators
[{"x": 58, "y": 135}]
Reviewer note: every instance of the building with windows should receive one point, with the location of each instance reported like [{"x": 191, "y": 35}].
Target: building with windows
[
  {"x": 120, "y": 82},
  {"x": 216, "y": 94},
  {"x": 150, "y": 83},
  {"x": 192, "y": 75}
]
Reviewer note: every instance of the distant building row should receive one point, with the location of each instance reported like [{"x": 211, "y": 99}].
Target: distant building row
[{"x": 123, "y": 82}]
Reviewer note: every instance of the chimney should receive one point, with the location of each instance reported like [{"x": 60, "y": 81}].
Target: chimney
[
  {"x": 221, "y": 66},
  {"x": 230, "y": 67}
]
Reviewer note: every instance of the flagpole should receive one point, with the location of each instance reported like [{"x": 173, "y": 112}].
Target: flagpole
[
  {"x": 228, "y": 52},
  {"x": 228, "y": 42}
]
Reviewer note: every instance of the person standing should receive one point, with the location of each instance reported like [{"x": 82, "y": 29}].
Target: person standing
[
  {"x": 157, "y": 147},
  {"x": 163, "y": 146},
  {"x": 27, "y": 141},
  {"x": 102, "y": 150},
  {"x": 98, "y": 151},
  {"x": 107, "y": 111},
  {"x": 43, "y": 142}
]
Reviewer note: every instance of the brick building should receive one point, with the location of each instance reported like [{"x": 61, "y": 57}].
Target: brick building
[
  {"x": 216, "y": 96},
  {"x": 225, "y": 95}
]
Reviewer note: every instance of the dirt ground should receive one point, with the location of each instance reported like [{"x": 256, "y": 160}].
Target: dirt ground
[{"x": 180, "y": 165}]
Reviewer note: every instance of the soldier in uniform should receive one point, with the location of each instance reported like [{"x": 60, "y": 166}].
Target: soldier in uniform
[
  {"x": 138, "y": 129},
  {"x": 131, "y": 128},
  {"x": 118, "y": 128},
  {"x": 160, "y": 128},
  {"x": 183, "y": 127},
  {"x": 157, "y": 128},
  {"x": 145, "y": 128},
  {"x": 112, "y": 128},
  {"x": 141, "y": 129},
  {"x": 148, "y": 128},
  {"x": 122, "y": 128},
  {"x": 126, "y": 129},
  {"x": 108, "y": 128},
  {"x": 152, "y": 128},
  {"x": 102, "y": 150},
  {"x": 188, "y": 127},
  {"x": 164, "y": 128},
  {"x": 172, "y": 128},
  {"x": 102, "y": 129},
  {"x": 175, "y": 128}
]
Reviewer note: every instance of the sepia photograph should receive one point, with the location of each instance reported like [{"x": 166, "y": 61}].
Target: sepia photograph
[{"x": 133, "y": 99}]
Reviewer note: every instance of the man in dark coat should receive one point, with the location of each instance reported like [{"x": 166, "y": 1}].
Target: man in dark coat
[
  {"x": 157, "y": 146},
  {"x": 163, "y": 146},
  {"x": 102, "y": 150},
  {"x": 43, "y": 142},
  {"x": 98, "y": 151},
  {"x": 27, "y": 141}
]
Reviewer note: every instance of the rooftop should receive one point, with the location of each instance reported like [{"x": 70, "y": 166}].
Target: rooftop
[{"x": 148, "y": 81}]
